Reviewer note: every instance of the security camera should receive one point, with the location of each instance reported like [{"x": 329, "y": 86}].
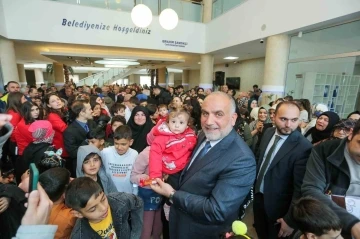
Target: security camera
[{"x": 261, "y": 40}]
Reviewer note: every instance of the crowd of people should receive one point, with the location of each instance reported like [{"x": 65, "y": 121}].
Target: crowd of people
[{"x": 139, "y": 162}]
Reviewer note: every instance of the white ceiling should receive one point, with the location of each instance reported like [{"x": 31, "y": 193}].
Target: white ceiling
[{"x": 46, "y": 53}]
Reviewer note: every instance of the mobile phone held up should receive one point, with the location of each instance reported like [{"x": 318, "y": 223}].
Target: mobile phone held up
[{"x": 34, "y": 177}]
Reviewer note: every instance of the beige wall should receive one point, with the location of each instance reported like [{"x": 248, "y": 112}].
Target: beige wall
[
  {"x": 134, "y": 78},
  {"x": 251, "y": 72},
  {"x": 194, "y": 77}
]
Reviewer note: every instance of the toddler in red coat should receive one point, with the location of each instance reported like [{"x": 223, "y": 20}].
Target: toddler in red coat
[{"x": 172, "y": 146}]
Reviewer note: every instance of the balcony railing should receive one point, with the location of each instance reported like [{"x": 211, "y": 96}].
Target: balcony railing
[
  {"x": 186, "y": 9},
  {"x": 222, "y": 6}
]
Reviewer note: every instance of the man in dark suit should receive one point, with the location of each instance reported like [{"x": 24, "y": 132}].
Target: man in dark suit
[
  {"x": 217, "y": 179},
  {"x": 283, "y": 154},
  {"x": 75, "y": 134}
]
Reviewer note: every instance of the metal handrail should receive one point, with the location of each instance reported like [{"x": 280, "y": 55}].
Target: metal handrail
[{"x": 101, "y": 77}]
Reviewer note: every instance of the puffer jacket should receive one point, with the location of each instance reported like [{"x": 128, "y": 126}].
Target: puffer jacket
[{"x": 169, "y": 152}]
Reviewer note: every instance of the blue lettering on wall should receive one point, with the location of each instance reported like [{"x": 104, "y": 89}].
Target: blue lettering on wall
[{"x": 104, "y": 27}]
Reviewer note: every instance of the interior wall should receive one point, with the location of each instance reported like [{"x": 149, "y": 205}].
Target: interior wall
[
  {"x": 357, "y": 69},
  {"x": 331, "y": 66},
  {"x": 194, "y": 78},
  {"x": 250, "y": 72},
  {"x": 177, "y": 79}
]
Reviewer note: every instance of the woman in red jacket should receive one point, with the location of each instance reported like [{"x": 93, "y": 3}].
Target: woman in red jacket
[
  {"x": 30, "y": 112},
  {"x": 15, "y": 100},
  {"x": 57, "y": 117}
]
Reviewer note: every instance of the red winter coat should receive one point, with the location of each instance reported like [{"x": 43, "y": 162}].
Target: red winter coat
[
  {"x": 59, "y": 127},
  {"x": 169, "y": 152},
  {"x": 22, "y": 136},
  {"x": 16, "y": 117}
]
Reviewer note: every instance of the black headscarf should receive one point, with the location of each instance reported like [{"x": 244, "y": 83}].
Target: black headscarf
[
  {"x": 318, "y": 135},
  {"x": 139, "y": 133}
]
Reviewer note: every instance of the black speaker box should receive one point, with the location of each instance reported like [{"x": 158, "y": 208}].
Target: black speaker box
[{"x": 219, "y": 78}]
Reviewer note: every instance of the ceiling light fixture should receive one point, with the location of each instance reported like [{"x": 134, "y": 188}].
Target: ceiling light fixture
[
  {"x": 231, "y": 58},
  {"x": 168, "y": 18},
  {"x": 79, "y": 68},
  {"x": 112, "y": 59},
  {"x": 141, "y": 15},
  {"x": 122, "y": 63},
  {"x": 115, "y": 66},
  {"x": 35, "y": 66}
]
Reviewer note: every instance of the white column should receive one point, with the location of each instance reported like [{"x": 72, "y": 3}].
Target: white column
[
  {"x": 171, "y": 78},
  {"x": 185, "y": 79},
  {"x": 277, "y": 53},
  {"x": 8, "y": 61},
  {"x": 206, "y": 71},
  {"x": 22, "y": 75},
  {"x": 207, "y": 10},
  {"x": 131, "y": 79},
  {"x": 39, "y": 77}
]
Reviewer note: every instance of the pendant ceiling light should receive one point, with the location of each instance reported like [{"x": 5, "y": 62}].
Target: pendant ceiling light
[
  {"x": 168, "y": 18},
  {"x": 141, "y": 15}
]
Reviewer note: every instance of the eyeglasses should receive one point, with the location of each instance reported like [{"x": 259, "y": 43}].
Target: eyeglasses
[{"x": 346, "y": 130}]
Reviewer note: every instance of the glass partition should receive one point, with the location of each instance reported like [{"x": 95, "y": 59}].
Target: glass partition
[
  {"x": 186, "y": 10},
  {"x": 221, "y": 6},
  {"x": 324, "y": 67},
  {"x": 334, "y": 40}
]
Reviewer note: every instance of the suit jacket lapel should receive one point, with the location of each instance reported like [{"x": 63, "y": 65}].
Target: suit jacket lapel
[
  {"x": 201, "y": 138},
  {"x": 213, "y": 154},
  {"x": 289, "y": 144},
  {"x": 264, "y": 143},
  {"x": 77, "y": 125}
]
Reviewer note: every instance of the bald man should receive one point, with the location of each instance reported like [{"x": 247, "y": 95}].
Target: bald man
[{"x": 217, "y": 179}]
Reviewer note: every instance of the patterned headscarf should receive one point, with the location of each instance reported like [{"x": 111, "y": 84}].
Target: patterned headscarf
[{"x": 42, "y": 132}]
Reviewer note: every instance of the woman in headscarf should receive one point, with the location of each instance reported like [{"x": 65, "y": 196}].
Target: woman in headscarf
[
  {"x": 252, "y": 103},
  {"x": 257, "y": 127},
  {"x": 323, "y": 127},
  {"x": 341, "y": 130},
  {"x": 140, "y": 124},
  {"x": 242, "y": 128},
  {"x": 42, "y": 134}
]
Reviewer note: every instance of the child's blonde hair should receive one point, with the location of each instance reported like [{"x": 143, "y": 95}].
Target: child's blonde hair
[{"x": 175, "y": 112}]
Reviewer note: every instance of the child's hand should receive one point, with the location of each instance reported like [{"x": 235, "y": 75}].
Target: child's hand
[{"x": 165, "y": 177}]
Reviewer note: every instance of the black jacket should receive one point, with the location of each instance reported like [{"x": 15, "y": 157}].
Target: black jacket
[
  {"x": 326, "y": 170},
  {"x": 123, "y": 206},
  {"x": 74, "y": 136},
  {"x": 10, "y": 219},
  {"x": 284, "y": 177},
  {"x": 163, "y": 98}
]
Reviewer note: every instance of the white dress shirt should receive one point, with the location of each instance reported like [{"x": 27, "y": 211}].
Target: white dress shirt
[{"x": 278, "y": 146}]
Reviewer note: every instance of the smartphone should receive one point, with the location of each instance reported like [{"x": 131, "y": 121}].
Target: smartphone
[{"x": 34, "y": 177}]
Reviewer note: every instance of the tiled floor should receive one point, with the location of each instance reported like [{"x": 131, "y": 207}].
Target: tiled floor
[{"x": 249, "y": 221}]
